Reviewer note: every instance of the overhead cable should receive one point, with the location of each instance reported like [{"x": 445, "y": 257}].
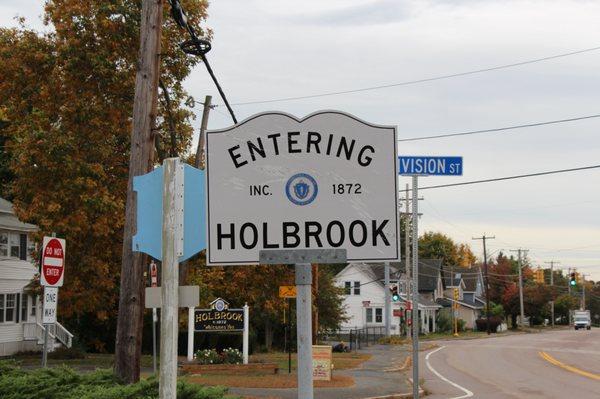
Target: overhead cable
[
  {"x": 500, "y": 129},
  {"x": 424, "y": 80},
  {"x": 511, "y": 177}
]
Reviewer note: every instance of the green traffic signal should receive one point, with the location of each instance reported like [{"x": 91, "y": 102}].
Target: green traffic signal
[
  {"x": 395, "y": 294},
  {"x": 573, "y": 281}
]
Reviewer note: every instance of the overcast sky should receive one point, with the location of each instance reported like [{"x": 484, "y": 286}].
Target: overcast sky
[{"x": 269, "y": 49}]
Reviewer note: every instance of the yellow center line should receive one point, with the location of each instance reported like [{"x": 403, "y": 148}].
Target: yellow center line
[{"x": 572, "y": 369}]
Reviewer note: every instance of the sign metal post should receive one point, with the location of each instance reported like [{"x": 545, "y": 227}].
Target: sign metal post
[
  {"x": 52, "y": 275},
  {"x": 154, "y": 284},
  {"x": 289, "y": 335},
  {"x": 288, "y": 292},
  {"x": 415, "y": 290},
  {"x": 245, "y": 336},
  {"x": 303, "y": 271},
  {"x": 416, "y": 166}
]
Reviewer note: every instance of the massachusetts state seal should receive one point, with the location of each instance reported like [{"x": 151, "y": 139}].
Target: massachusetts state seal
[{"x": 301, "y": 189}]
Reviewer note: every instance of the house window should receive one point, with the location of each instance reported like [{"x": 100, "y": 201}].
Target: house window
[
  {"x": 8, "y": 307},
  {"x": 369, "y": 315},
  {"x": 352, "y": 287},
  {"x": 378, "y": 315},
  {"x": 10, "y": 245},
  {"x": 3, "y": 244},
  {"x": 14, "y": 245},
  {"x": 33, "y": 305},
  {"x": 347, "y": 287},
  {"x": 24, "y": 307}
]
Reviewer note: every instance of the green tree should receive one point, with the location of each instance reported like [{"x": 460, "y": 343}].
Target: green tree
[
  {"x": 438, "y": 246},
  {"x": 562, "y": 305},
  {"x": 68, "y": 97}
]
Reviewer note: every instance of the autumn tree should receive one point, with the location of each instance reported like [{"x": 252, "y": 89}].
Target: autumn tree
[
  {"x": 435, "y": 245},
  {"x": 66, "y": 98}
]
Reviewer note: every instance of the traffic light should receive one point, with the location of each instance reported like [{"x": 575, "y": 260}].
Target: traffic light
[
  {"x": 573, "y": 279},
  {"x": 455, "y": 294},
  {"x": 538, "y": 276},
  {"x": 395, "y": 294}
]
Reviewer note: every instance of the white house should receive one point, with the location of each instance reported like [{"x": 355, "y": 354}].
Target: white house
[
  {"x": 470, "y": 287},
  {"x": 364, "y": 295},
  {"x": 20, "y": 311}
]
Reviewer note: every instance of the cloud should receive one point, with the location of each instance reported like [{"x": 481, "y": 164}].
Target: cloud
[{"x": 372, "y": 13}]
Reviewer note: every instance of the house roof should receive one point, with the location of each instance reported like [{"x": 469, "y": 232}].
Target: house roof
[
  {"x": 470, "y": 278},
  {"x": 378, "y": 271},
  {"x": 447, "y": 302},
  {"x": 9, "y": 221},
  {"x": 424, "y": 301},
  {"x": 428, "y": 272},
  {"x": 451, "y": 281}
]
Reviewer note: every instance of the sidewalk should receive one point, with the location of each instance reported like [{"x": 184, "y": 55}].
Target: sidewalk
[{"x": 371, "y": 379}]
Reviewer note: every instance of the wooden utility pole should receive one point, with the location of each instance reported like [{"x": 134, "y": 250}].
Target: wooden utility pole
[
  {"x": 315, "y": 313},
  {"x": 552, "y": 263},
  {"x": 131, "y": 301},
  {"x": 201, "y": 150},
  {"x": 487, "y": 281}
]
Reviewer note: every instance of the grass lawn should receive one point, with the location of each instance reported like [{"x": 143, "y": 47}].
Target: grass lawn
[
  {"x": 341, "y": 361},
  {"x": 462, "y": 335},
  {"x": 265, "y": 380}
]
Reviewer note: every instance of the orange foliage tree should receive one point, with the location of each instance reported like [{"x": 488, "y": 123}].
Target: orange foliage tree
[{"x": 66, "y": 98}]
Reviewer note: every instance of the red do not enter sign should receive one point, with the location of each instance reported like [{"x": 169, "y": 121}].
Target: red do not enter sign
[{"x": 53, "y": 262}]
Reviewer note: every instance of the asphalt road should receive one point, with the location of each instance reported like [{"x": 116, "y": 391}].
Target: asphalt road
[{"x": 554, "y": 364}]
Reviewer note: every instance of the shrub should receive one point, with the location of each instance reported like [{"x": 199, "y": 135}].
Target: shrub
[
  {"x": 67, "y": 353},
  {"x": 211, "y": 356},
  {"x": 495, "y": 321},
  {"x": 232, "y": 356},
  {"x": 66, "y": 383},
  {"x": 208, "y": 356},
  {"x": 461, "y": 325},
  {"x": 444, "y": 322}
]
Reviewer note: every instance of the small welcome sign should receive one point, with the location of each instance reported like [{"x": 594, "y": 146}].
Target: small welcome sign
[{"x": 219, "y": 318}]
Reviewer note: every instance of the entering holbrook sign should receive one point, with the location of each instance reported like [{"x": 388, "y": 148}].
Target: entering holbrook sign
[{"x": 328, "y": 180}]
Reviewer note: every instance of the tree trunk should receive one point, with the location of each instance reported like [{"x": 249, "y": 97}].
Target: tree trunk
[
  {"x": 268, "y": 335},
  {"x": 131, "y": 301}
]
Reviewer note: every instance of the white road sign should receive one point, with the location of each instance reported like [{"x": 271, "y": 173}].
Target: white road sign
[
  {"x": 50, "y": 305},
  {"x": 328, "y": 180}
]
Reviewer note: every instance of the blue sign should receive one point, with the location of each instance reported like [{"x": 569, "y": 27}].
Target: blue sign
[
  {"x": 149, "y": 188},
  {"x": 430, "y": 166}
]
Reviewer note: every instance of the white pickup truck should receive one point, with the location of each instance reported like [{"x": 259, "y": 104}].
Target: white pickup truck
[{"x": 582, "y": 319}]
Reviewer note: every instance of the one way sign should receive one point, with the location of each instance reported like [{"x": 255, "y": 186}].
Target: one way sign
[{"x": 50, "y": 305}]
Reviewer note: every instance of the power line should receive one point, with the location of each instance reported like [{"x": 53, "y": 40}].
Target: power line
[
  {"x": 424, "y": 80},
  {"x": 512, "y": 177},
  {"x": 499, "y": 129},
  {"x": 199, "y": 47}
]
